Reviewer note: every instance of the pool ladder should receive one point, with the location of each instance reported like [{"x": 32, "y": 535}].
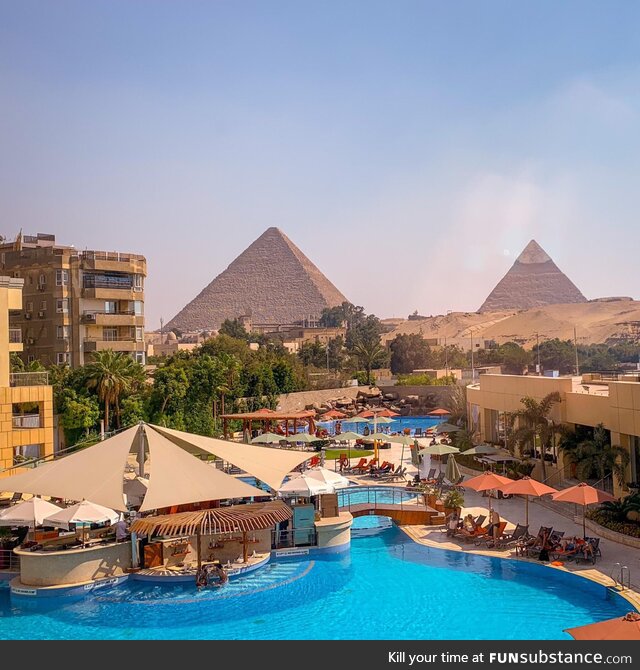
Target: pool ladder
[{"x": 617, "y": 575}]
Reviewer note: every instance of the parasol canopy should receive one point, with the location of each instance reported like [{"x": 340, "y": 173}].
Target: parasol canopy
[
  {"x": 355, "y": 420},
  {"x": 82, "y": 513},
  {"x": 530, "y": 488},
  {"x": 305, "y": 486},
  {"x": 301, "y": 437},
  {"x": 267, "y": 438},
  {"x": 30, "y": 513},
  {"x": 447, "y": 428},
  {"x": 583, "y": 494},
  {"x": 349, "y": 435},
  {"x": 332, "y": 414},
  {"x": 486, "y": 482},
  {"x": 438, "y": 411},
  {"x": 439, "y": 450},
  {"x": 481, "y": 450},
  {"x": 335, "y": 479},
  {"x": 620, "y": 628},
  {"x": 452, "y": 471}
]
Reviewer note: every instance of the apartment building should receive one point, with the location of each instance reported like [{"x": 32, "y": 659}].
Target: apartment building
[
  {"x": 26, "y": 400},
  {"x": 75, "y": 303}
]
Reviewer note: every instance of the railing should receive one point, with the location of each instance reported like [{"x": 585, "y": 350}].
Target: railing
[
  {"x": 15, "y": 336},
  {"x": 9, "y": 561},
  {"x": 604, "y": 484},
  {"x": 122, "y": 312},
  {"x": 28, "y": 379},
  {"x": 26, "y": 421},
  {"x": 126, "y": 283},
  {"x": 110, "y": 256},
  {"x": 111, "y": 338},
  {"x": 612, "y": 376},
  {"x": 298, "y": 537},
  {"x": 376, "y": 496},
  {"x": 617, "y": 574}
]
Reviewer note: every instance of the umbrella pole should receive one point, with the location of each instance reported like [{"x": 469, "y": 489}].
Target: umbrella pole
[
  {"x": 526, "y": 514},
  {"x": 245, "y": 548},
  {"x": 584, "y": 522},
  {"x": 198, "y": 548}
]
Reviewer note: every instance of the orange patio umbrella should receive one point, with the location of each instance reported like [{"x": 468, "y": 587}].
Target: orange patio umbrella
[
  {"x": 486, "y": 482},
  {"x": 584, "y": 495},
  {"x": 333, "y": 414},
  {"x": 368, "y": 414},
  {"x": 438, "y": 411},
  {"x": 620, "y": 628},
  {"x": 529, "y": 488}
]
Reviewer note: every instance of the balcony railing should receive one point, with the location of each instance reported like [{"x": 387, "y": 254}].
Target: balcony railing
[
  {"x": 15, "y": 335},
  {"x": 124, "y": 283},
  {"x": 122, "y": 312},
  {"x": 110, "y": 338},
  {"x": 110, "y": 256},
  {"x": 27, "y": 421},
  {"x": 28, "y": 379}
]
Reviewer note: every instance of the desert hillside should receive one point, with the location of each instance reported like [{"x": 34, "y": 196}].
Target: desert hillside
[{"x": 596, "y": 321}]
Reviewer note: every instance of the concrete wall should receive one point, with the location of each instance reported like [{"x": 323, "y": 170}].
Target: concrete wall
[
  {"x": 334, "y": 531},
  {"x": 74, "y": 565}
]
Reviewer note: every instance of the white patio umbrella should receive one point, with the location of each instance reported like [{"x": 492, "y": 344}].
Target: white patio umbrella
[
  {"x": 439, "y": 450},
  {"x": 30, "y": 513},
  {"x": 82, "y": 513},
  {"x": 305, "y": 486},
  {"x": 267, "y": 438},
  {"x": 335, "y": 479},
  {"x": 354, "y": 421}
]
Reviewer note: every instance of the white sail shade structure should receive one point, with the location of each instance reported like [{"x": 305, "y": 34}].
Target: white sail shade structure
[{"x": 269, "y": 465}]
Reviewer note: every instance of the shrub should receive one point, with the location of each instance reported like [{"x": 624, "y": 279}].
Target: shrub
[{"x": 605, "y": 519}]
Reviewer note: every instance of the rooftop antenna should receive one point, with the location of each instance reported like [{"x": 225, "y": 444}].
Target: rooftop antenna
[{"x": 575, "y": 344}]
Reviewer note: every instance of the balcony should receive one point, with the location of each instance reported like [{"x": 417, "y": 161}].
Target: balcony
[
  {"x": 123, "y": 343},
  {"x": 15, "y": 336},
  {"x": 28, "y": 379},
  {"x": 121, "y": 318},
  {"x": 112, "y": 261},
  {"x": 27, "y": 421}
]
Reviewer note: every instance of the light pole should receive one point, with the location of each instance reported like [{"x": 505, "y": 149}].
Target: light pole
[{"x": 539, "y": 369}]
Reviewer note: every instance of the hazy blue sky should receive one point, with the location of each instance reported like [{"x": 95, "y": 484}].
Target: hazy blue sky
[{"x": 410, "y": 149}]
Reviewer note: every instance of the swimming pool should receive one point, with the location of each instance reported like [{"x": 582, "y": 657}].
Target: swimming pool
[
  {"x": 386, "y": 587},
  {"x": 390, "y": 495},
  {"x": 398, "y": 424}
]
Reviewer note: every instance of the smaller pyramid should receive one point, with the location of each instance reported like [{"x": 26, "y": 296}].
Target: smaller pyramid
[
  {"x": 271, "y": 280},
  {"x": 534, "y": 280}
]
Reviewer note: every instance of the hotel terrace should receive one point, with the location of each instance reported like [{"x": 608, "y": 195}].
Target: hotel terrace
[{"x": 587, "y": 401}]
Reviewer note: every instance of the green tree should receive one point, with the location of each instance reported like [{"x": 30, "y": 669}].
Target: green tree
[
  {"x": 112, "y": 374},
  {"x": 313, "y": 354},
  {"x": 534, "y": 425},
  {"x": 78, "y": 413},
  {"x": 557, "y": 355},
  {"x": 234, "y": 328},
  {"x": 170, "y": 384},
  {"x": 335, "y": 347},
  {"x": 595, "y": 457},
  {"x": 346, "y": 313},
  {"x": 409, "y": 353}
]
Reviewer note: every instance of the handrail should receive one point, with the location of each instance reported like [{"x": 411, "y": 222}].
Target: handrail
[
  {"x": 405, "y": 496},
  {"x": 622, "y": 569}
]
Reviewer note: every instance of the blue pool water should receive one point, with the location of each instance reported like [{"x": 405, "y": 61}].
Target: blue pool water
[
  {"x": 386, "y": 587},
  {"x": 398, "y": 424},
  {"x": 369, "y": 521},
  {"x": 362, "y": 494}
]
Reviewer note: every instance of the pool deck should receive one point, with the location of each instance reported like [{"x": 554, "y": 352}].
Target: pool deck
[{"x": 512, "y": 511}]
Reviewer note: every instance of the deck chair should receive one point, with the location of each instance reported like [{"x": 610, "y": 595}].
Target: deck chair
[
  {"x": 5, "y": 502},
  {"x": 519, "y": 532},
  {"x": 417, "y": 432},
  {"x": 532, "y": 544},
  {"x": 431, "y": 474},
  {"x": 478, "y": 521},
  {"x": 553, "y": 541},
  {"x": 361, "y": 466},
  {"x": 594, "y": 551},
  {"x": 489, "y": 540},
  {"x": 570, "y": 551}
]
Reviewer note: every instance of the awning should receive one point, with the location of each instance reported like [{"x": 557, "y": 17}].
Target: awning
[
  {"x": 177, "y": 478},
  {"x": 255, "y": 516},
  {"x": 95, "y": 473},
  {"x": 268, "y": 465}
]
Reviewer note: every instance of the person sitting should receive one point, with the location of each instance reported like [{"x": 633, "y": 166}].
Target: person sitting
[
  {"x": 452, "y": 523},
  {"x": 469, "y": 526}
]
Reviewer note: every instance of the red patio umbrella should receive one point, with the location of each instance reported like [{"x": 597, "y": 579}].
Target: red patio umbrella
[
  {"x": 620, "y": 628},
  {"x": 584, "y": 495},
  {"x": 528, "y": 488},
  {"x": 486, "y": 482},
  {"x": 439, "y": 412},
  {"x": 333, "y": 414}
]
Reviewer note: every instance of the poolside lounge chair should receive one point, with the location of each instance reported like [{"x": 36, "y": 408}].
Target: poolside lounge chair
[
  {"x": 552, "y": 542},
  {"x": 454, "y": 485},
  {"x": 393, "y": 476},
  {"x": 489, "y": 539},
  {"x": 417, "y": 432},
  {"x": 431, "y": 474},
  {"x": 16, "y": 497},
  {"x": 384, "y": 469},
  {"x": 360, "y": 467},
  {"x": 593, "y": 553},
  {"x": 568, "y": 552},
  {"x": 519, "y": 532},
  {"x": 315, "y": 461},
  {"x": 530, "y": 544},
  {"x": 464, "y": 535}
]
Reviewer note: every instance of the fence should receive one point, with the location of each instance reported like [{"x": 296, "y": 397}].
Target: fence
[
  {"x": 28, "y": 379},
  {"x": 9, "y": 561}
]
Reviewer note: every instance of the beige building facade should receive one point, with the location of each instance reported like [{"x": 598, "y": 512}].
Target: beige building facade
[
  {"x": 26, "y": 400},
  {"x": 75, "y": 302},
  {"x": 585, "y": 402}
]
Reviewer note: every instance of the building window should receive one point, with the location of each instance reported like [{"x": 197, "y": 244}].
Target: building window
[
  {"x": 110, "y": 307},
  {"x": 26, "y": 452},
  {"x": 139, "y": 334},
  {"x": 62, "y": 358},
  {"x": 62, "y": 305},
  {"x": 138, "y": 357},
  {"x": 138, "y": 282},
  {"x": 62, "y": 332},
  {"x": 43, "y": 306},
  {"x": 138, "y": 307},
  {"x": 110, "y": 334},
  {"x": 62, "y": 277},
  {"x": 31, "y": 358},
  {"x": 29, "y": 306}
]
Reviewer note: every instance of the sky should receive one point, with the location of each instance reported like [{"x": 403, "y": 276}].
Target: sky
[{"x": 410, "y": 149}]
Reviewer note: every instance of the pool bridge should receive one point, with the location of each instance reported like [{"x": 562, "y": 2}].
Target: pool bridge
[{"x": 405, "y": 506}]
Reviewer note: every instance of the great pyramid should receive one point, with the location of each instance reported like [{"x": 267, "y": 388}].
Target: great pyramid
[
  {"x": 534, "y": 280},
  {"x": 271, "y": 280}
]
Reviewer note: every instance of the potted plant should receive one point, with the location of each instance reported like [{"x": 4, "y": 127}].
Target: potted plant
[{"x": 453, "y": 501}]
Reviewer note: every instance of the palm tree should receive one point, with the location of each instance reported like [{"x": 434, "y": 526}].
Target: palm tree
[
  {"x": 597, "y": 457},
  {"x": 111, "y": 374},
  {"x": 457, "y": 405},
  {"x": 534, "y": 424},
  {"x": 368, "y": 353}
]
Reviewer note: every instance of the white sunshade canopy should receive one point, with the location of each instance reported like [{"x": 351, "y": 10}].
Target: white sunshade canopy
[
  {"x": 335, "y": 479},
  {"x": 268, "y": 465},
  {"x": 30, "y": 513},
  {"x": 177, "y": 478},
  {"x": 84, "y": 512},
  {"x": 95, "y": 473},
  {"x": 305, "y": 486}
]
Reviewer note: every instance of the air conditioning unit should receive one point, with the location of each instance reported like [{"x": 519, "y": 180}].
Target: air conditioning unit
[
  {"x": 90, "y": 317},
  {"x": 41, "y": 314},
  {"x": 27, "y": 316}
]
